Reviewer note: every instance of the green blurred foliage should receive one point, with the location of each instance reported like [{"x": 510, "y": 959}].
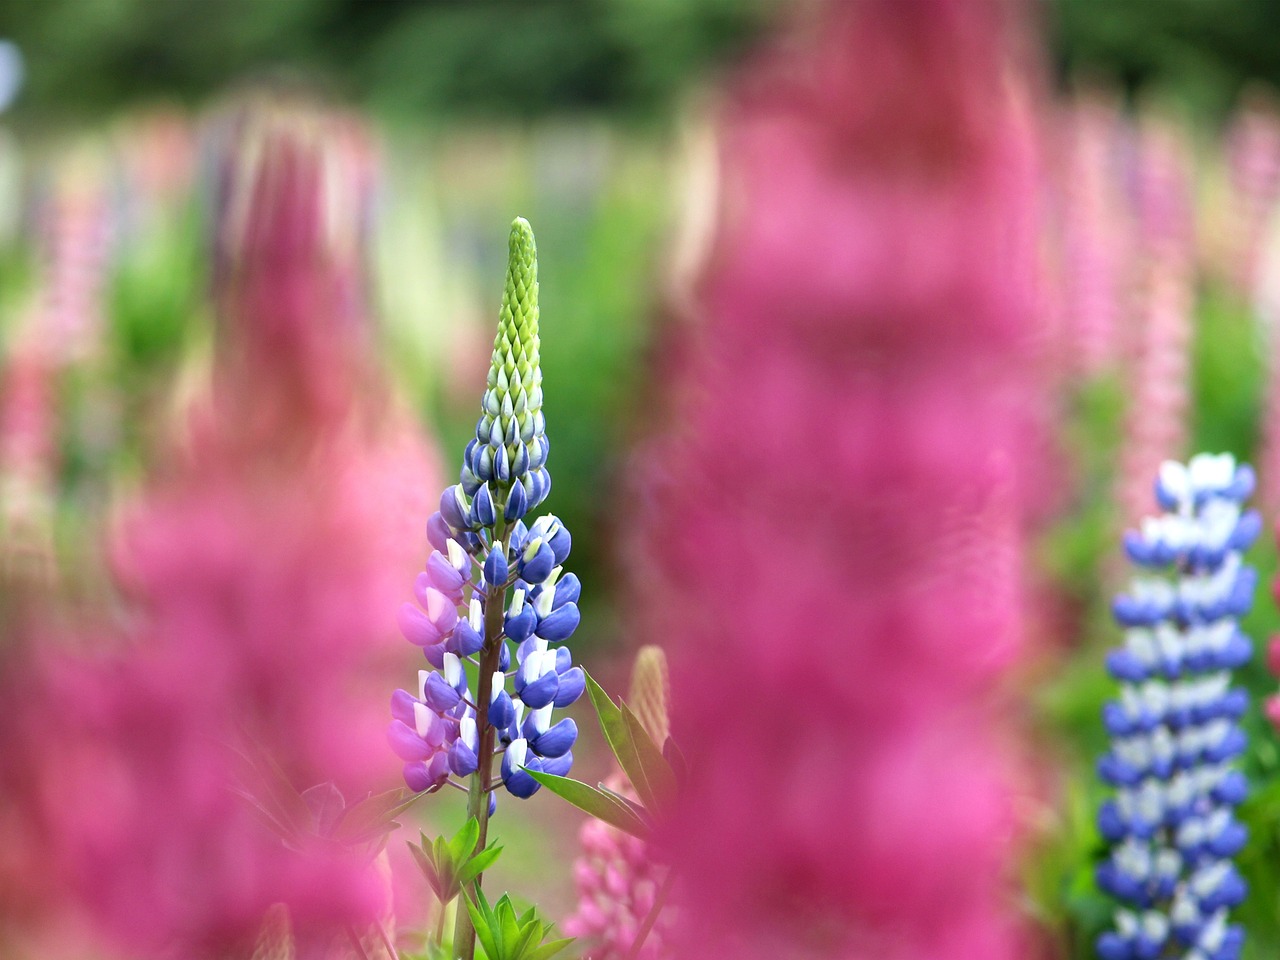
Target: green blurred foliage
[
  {"x": 1201, "y": 51},
  {"x": 474, "y": 57}
]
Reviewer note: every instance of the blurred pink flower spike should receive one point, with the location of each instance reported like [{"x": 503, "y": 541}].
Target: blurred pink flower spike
[
  {"x": 263, "y": 561},
  {"x": 855, "y": 458}
]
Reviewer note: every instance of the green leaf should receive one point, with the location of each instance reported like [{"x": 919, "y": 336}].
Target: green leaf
[
  {"x": 508, "y": 928},
  {"x": 530, "y": 937},
  {"x": 549, "y": 949},
  {"x": 657, "y": 771},
  {"x": 596, "y": 802},
  {"x": 430, "y": 871},
  {"x": 464, "y": 842},
  {"x": 618, "y": 735},
  {"x": 643, "y": 815},
  {"x": 483, "y": 922},
  {"x": 478, "y": 864}
]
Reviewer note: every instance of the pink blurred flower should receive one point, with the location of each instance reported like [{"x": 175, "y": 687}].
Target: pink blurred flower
[
  {"x": 1253, "y": 166},
  {"x": 262, "y": 561},
  {"x": 839, "y": 529},
  {"x": 1095, "y": 232},
  {"x": 1159, "y": 394}
]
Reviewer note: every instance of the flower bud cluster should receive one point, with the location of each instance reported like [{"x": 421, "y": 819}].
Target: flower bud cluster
[{"x": 1174, "y": 728}]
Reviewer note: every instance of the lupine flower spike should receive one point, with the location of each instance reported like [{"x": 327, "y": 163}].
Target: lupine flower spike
[
  {"x": 616, "y": 879},
  {"x": 1175, "y": 726},
  {"x": 494, "y": 579}
]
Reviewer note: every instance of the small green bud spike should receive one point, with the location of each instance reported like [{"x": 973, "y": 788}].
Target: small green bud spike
[{"x": 515, "y": 367}]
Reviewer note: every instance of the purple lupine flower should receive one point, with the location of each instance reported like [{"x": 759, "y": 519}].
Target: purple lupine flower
[{"x": 486, "y": 558}]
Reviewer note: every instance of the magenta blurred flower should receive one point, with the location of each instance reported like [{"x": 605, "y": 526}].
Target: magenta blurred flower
[
  {"x": 1159, "y": 391},
  {"x": 854, "y": 457},
  {"x": 262, "y": 562},
  {"x": 1095, "y": 227}
]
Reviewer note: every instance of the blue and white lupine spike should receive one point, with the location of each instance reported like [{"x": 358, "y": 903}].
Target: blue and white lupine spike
[
  {"x": 1174, "y": 727},
  {"x": 486, "y": 546}
]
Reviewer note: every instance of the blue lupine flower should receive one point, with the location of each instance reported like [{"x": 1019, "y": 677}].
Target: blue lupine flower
[
  {"x": 1174, "y": 729},
  {"x": 483, "y": 551}
]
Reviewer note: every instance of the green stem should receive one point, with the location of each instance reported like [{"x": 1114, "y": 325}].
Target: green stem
[
  {"x": 440, "y": 915},
  {"x": 645, "y": 928},
  {"x": 464, "y": 936}
]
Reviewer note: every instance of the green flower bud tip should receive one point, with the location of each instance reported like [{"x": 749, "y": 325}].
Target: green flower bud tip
[{"x": 515, "y": 377}]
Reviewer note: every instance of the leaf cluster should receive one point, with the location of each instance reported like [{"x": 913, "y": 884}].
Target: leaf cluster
[
  {"x": 451, "y": 865},
  {"x": 656, "y": 773},
  {"x": 505, "y": 936}
]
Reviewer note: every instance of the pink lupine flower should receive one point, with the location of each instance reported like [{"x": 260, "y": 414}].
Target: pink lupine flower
[
  {"x": 262, "y": 563},
  {"x": 27, "y": 464},
  {"x": 1155, "y": 424},
  {"x": 617, "y": 877},
  {"x": 1095, "y": 233},
  {"x": 617, "y": 882},
  {"x": 857, "y": 410},
  {"x": 75, "y": 222},
  {"x": 1253, "y": 167}
]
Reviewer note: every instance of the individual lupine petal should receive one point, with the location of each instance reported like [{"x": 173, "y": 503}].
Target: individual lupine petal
[
  {"x": 536, "y": 561},
  {"x": 439, "y": 694},
  {"x": 516, "y": 780},
  {"x": 536, "y": 681},
  {"x": 502, "y": 710},
  {"x": 520, "y": 460},
  {"x": 517, "y": 504},
  {"x": 520, "y": 619},
  {"x": 495, "y": 565},
  {"x": 462, "y": 752},
  {"x": 417, "y": 627},
  {"x": 559, "y": 624},
  {"x": 424, "y": 775},
  {"x": 482, "y": 510},
  {"x": 405, "y": 742},
  {"x": 441, "y": 610},
  {"x": 438, "y": 532},
  {"x": 454, "y": 508},
  {"x": 402, "y": 702},
  {"x": 568, "y": 590},
  {"x": 572, "y": 684},
  {"x": 449, "y": 571},
  {"x": 468, "y": 635},
  {"x": 560, "y": 541},
  {"x": 429, "y": 725},
  {"x": 557, "y": 740}
]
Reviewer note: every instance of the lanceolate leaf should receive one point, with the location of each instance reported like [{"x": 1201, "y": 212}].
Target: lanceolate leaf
[
  {"x": 478, "y": 864},
  {"x": 657, "y": 772},
  {"x": 548, "y": 949},
  {"x": 619, "y": 737},
  {"x": 598, "y": 803}
]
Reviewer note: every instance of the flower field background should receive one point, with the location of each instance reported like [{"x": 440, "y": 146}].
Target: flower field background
[{"x": 861, "y": 347}]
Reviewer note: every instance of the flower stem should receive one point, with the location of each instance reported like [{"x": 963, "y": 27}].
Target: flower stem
[
  {"x": 464, "y": 938},
  {"x": 355, "y": 942},
  {"x": 658, "y": 902}
]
